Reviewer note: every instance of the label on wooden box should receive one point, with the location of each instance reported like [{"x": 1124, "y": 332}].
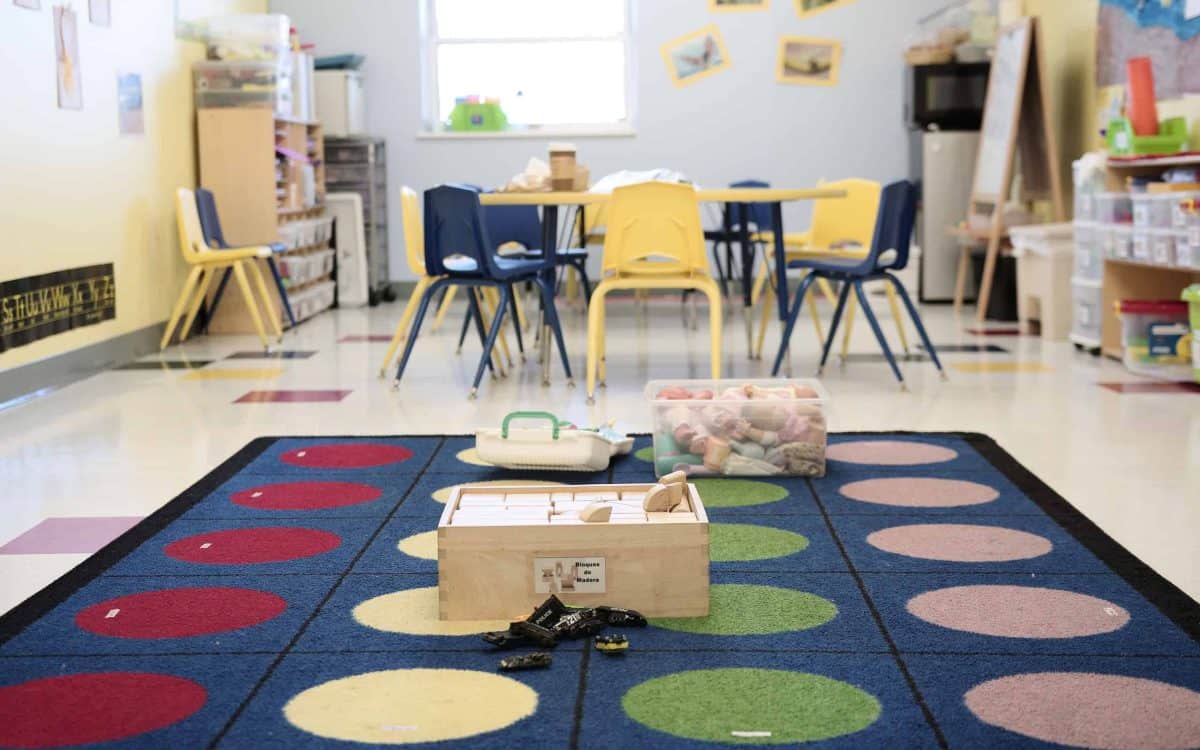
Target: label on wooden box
[{"x": 568, "y": 575}]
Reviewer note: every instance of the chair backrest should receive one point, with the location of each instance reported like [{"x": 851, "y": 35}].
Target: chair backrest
[
  {"x": 454, "y": 226},
  {"x": 414, "y": 232},
  {"x": 519, "y": 224},
  {"x": 191, "y": 235},
  {"x": 848, "y": 219},
  {"x": 893, "y": 227},
  {"x": 210, "y": 220},
  {"x": 654, "y": 228},
  {"x": 758, "y": 213}
]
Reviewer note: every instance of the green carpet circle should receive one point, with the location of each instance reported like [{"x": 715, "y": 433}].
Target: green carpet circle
[
  {"x": 746, "y": 609},
  {"x": 732, "y": 493},
  {"x": 719, "y": 705},
  {"x": 646, "y": 454},
  {"x": 732, "y": 542}
]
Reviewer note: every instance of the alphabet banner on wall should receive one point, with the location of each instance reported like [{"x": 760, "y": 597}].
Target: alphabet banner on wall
[{"x": 37, "y": 307}]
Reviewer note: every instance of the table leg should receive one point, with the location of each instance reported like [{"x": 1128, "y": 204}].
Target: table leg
[
  {"x": 550, "y": 249},
  {"x": 747, "y": 270}
]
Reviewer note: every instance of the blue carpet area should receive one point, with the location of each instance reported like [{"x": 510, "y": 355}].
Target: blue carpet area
[{"x": 918, "y": 600}]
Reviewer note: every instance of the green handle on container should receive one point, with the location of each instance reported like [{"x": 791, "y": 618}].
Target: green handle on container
[{"x": 529, "y": 415}]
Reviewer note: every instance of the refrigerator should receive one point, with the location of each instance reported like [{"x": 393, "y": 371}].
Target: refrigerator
[{"x": 942, "y": 162}]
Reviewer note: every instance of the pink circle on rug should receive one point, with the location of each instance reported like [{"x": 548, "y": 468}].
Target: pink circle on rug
[
  {"x": 180, "y": 613},
  {"x": 305, "y": 495},
  {"x": 889, "y": 453},
  {"x": 81, "y": 709},
  {"x": 1090, "y": 710},
  {"x": 919, "y": 492},
  {"x": 1018, "y": 611},
  {"x": 250, "y": 546},
  {"x": 346, "y": 455},
  {"x": 959, "y": 542}
]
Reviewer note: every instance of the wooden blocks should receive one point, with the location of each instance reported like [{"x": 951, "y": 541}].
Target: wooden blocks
[
  {"x": 596, "y": 513},
  {"x": 666, "y": 494}
]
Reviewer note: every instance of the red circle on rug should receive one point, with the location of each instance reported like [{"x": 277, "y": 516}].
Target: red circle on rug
[
  {"x": 1018, "y": 611},
  {"x": 249, "y": 546},
  {"x": 179, "y": 613},
  {"x": 959, "y": 542},
  {"x": 919, "y": 492},
  {"x": 889, "y": 452},
  {"x": 346, "y": 455},
  {"x": 81, "y": 709},
  {"x": 1084, "y": 709},
  {"x": 305, "y": 495}
]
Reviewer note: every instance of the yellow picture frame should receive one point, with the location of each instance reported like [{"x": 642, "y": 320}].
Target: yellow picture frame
[
  {"x": 701, "y": 61},
  {"x": 810, "y": 71},
  {"x": 822, "y": 5},
  {"x": 737, "y": 6}
]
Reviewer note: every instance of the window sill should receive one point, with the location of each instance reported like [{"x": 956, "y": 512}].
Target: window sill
[{"x": 562, "y": 132}]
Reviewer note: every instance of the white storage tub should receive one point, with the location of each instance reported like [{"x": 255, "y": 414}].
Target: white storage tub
[{"x": 1086, "y": 318}]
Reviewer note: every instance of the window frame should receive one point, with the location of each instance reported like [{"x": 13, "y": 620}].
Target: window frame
[{"x": 432, "y": 127}]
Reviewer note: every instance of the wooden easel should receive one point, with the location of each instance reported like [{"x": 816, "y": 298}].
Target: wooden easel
[{"x": 1015, "y": 115}]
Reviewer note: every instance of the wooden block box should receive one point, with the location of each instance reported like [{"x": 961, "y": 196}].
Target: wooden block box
[{"x": 493, "y": 564}]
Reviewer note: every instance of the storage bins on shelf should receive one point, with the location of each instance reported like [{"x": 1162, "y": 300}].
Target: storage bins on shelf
[
  {"x": 248, "y": 36},
  {"x": 1162, "y": 247},
  {"x": 1086, "y": 318},
  {"x": 1151, "y": 210},
  {"x": 242, "y": 83},
  {"x": 1114, "y": 208},
  {"x": 738, "y": 427},
  {"x": 1156, "y": 338},
  {"x": 1085, "y": 205},
  {"x": 1141, "y": 244},
  {"x": 1191, "y": 295},
  {"x": 301, "y": 269},
  {"x": 312, "y": 300},
  {"x": 1089, "y": 259},
  {"x": 1187, "y": 250},
  {"x": 1181, "y": 207},
  {"x": 1120, "y": 239}
]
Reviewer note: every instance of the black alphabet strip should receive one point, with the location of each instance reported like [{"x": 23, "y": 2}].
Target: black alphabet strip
[{"x": 37, "y": 307}]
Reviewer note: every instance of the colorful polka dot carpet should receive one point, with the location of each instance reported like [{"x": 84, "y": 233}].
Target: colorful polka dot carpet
[{"x": 927, "y": 592}]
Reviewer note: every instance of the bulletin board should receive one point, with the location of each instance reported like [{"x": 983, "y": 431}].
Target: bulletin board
[{"x": 1169, "y": 35}]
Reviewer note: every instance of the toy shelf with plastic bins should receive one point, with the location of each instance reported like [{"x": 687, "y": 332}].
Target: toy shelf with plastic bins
[
  {"x": 502, "y": 551},
  {"x": 1086, "y": 313},
  {"x": 1152, "y": 210},
  {"x": 1162, "y": 246},
  {"x": 1191, "y": 295},
  {"x": 1089, "y": 257},
  {"x": 738, "y": 427},
  {"x": 1120, "y": 241},
  {"x": 1155, "y": 338},
  {"x": 1114, "y": 208}
]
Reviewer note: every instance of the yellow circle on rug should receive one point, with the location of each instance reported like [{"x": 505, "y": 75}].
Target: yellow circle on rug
[
  {"x": 471, "y": 456},
  {"x": 415, "y": 612},
  {"x": 443, "y": 494},
  {"x": 406, "y": 706},
  {"x": 423, "y": 545}
]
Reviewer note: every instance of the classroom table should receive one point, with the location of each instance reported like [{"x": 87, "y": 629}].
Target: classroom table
[{"x": 743, "y": 197}]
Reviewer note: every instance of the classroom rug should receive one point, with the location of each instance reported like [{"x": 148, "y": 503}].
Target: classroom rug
[{"x": 927, "y": 592}]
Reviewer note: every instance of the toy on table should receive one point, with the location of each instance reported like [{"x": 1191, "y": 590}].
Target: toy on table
[
  {"x": 558, "y": 447},
  {"x": 611, "y": 645},
  {"x": 536, "y": 660},
  {"x": 760, "y": 428}
]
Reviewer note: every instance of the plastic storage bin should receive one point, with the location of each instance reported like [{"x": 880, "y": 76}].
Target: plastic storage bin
[
  {"x": 1114, "y": 208},
  {"x": 1089, "y": 259},
  {"x": 738, "y": 427},
  {"x": 1152, "y": 210},
  {"x": 1085, "y": 205},
  {"x": 1162, "y": 247},
  {"x": 1187, "y": 249},
  {"x": 1181, "y": 207},
  {"x": 1191, "y": 295},
  {"x": 1085, "y": 327},
  {"x": 242, "y": 83},
  {"x": 1141, "y": 245},
  {"x": 248, "y": 36},
  {"x": 1156, "y": 338},
  {"x": 1120, "y": 242}
]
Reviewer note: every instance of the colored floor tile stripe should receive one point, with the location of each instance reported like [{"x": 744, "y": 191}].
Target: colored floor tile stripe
[
  {"x": 1134, "y": 388},
  {"x": 271, "y": 355},
  {"x": 994, "y": 331},
  {"x": 166, "y": 365},
  {"x": 70, "y": 534},
  {"x": 972, "y": 348},
  {"x": 291, "y": 397},
  {"x": 1000, "y": 367},
  {"x": 373, "y": 338},
  {"x": 262, "y": 373}
]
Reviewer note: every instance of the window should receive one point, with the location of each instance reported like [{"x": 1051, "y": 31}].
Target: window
[{"x": 553, "y": 65}]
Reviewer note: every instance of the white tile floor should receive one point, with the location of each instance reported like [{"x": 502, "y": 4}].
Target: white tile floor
[{"x": 126, "y": 442}]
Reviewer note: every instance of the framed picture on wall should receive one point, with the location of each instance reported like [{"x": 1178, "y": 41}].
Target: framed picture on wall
[
  {"x": 808, "y": 61},
  {"x": 735, "y": 5},
  {"x": 809, "y": 7},
  {"x": 695, "y": 56}
]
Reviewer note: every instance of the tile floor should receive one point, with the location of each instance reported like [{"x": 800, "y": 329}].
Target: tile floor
[{"x": 123, "y": 443}]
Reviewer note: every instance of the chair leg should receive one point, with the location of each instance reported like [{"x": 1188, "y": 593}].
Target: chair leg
[
  {"x": 197, "y": 298},
  {"x": 760, "y": 282},
  {"x": 516, "y": 320},
  {"x": 714, "y": 327},
  {"x": 595, "y": 321},
  {"x": 833, "y": 326},
  {"x": 447, "y": 300},
  {"x": 239, "y": 273},
  {"x": 581, "y": 266},
  {"x": 916, "y": 319},
  {"x": 891, "y": 297},
  {"x": 827, "y": 290},
  {"x": 522, "y": 321},
  {"x": 410, "y": 308},
  {"x": 426, "y": 296},
  {"x": 493, "y": 359},
  {"x": 466, "y": 324},
  {"x": 490, "y": 342},
  {"x": 790, "y": 324},
  {"x": 602, "y": 346},
  {"x": 768, "y": 300},
  {"x": 185, "y": 294},
  {"x": 816, "y": 316},
  {"x": 721, "y": 275},
  {"x": 268, "y": 308},
  {"x": 489, "y": 304},
  {"x": 216, "y": 300},
  {"x": 556, "y": 325},
  {"x": 850, "y": 310},
  {"x": 283, "y": 297},
  {"x": 960, "y": 281},
  {"x": 870, "y": 316}
]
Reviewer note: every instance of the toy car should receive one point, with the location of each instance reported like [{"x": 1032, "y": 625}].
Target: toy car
[
  {"x": 612, "y": 644},
  {"x": 536, "y": 660}
]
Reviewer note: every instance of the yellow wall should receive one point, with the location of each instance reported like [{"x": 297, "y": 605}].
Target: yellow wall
[{"x": 73, "y": 192}]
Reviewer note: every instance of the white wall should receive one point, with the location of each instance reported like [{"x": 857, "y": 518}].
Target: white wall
[{"x": 735, "y": 125}]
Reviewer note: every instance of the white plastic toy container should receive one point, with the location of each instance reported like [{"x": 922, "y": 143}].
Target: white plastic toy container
[{"x": 554, "y": 447}]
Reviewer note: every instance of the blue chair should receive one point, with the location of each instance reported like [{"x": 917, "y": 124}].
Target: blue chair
[
  {"x": 522, "y": 225},
  {"x": 459, "y": 249},
  {"x": 210, "y": 225},
  {"x": 889, "y": 252}
]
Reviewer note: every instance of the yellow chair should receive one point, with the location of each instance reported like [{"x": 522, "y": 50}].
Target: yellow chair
[
  {"x": 846, "y": 221},
  {"x": 206, "y": 264},
  {"x": 654, "y": 240}
]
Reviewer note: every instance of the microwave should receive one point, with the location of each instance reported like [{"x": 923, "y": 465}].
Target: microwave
[{"x": 946, "y": 97}]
